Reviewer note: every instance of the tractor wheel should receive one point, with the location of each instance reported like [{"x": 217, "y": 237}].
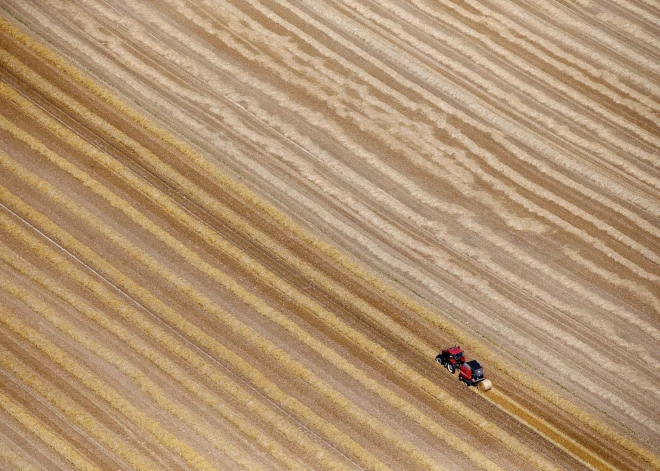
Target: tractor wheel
[{"x": 450, "y": 368}]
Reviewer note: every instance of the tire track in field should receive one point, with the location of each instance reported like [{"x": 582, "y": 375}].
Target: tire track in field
[
  {"x": 169, "y": 342},
  {"x": 148, "y": 387},
  {"x": 426, "y": 352},
  {"x": 263, "y": 309}
]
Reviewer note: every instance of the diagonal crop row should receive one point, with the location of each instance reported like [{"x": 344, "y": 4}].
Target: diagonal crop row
[
  {"x": 89, "y": 379},
  {"x": 201, "y": 338},
  {"x": 347, "y": 263},
  {"x": 209, "y": 306},
  {"x": 39, "y": 429},
  {"x": 12, "y": 458},
  {"x": 148, "y": 387},
  {"x": 78, "y": 415},
  {"x": 166, "y": 340},
  {"x": 268, "y": 277},
  {"x": 372, "y": 349},
  {"x": 571, "y": 448}
]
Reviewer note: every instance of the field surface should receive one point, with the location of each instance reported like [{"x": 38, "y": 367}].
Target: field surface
[{"x": 235, "y": 234}]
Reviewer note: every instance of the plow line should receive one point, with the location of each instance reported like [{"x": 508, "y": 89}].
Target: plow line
[
  {"x": 272, "y": 280},
  {"x": 337, "y": 256},
  {"x": 167, "y": 341},
  {"x": 148, "y": 387},
  {"x": 41, "y": 431},
  {"x": 109, "y": 395}
]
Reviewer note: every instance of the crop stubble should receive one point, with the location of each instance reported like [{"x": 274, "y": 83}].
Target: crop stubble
[{"x": 575, "y": 445}]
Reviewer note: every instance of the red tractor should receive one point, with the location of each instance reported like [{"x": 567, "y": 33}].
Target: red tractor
[
  {"x": 470, "y": 373},
  {"x": 452, "y": 358}
]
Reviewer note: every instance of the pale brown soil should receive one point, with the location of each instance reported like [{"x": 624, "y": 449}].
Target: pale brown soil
[{"x": 233, "y": 235}]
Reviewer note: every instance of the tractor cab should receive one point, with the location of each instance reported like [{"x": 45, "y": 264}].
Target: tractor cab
[{"x": 451, "y": 358}]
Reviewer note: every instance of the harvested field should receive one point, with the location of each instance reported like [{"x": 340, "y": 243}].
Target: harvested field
[{"x": 235, "y": 234}]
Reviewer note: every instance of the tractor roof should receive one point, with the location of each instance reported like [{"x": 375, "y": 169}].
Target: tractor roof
[
  {"x": 454, "y": 350},
  {"x": 474, "y": 364}
]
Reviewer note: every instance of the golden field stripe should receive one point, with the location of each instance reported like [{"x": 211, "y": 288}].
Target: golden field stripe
[
  {"x": 554, "y": 331},
  {"x": 10, "y": 457},
  {"x": 173, "y": 318},
  {"x": 571, "y": 285},
  {"x": 77, "y": 415},
  {"x": 40, "y": 430},
  {"x": 148, "y": 387},
  {"x": 163, "y": 338},
  {"x": 242, "y": 189},
  {"x": 414, "y": 341},
  {"x": 252, "y": 336},
  {"x": 337, "y": 360},
  {"x": 291, "y": 132},
  {"x": 577, "y": 450},
  {"x": 111, "y": 396}
]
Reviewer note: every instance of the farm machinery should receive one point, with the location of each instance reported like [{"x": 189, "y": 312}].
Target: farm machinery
[{"x": 470, "y": 372}]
